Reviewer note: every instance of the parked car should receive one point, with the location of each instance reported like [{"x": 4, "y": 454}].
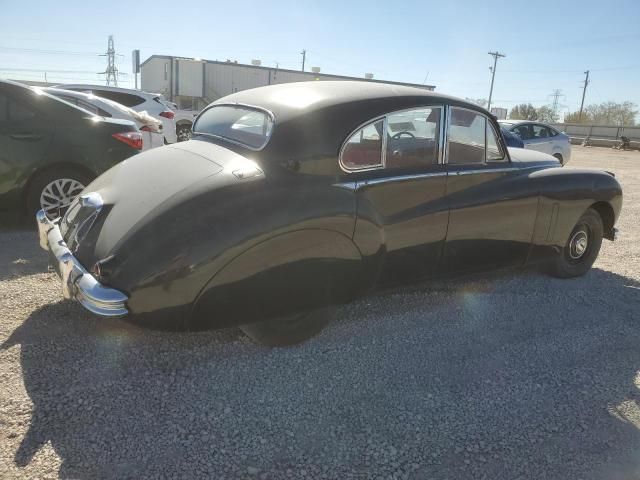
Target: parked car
[
  {"x": 50, "y": 150},
  {"x": 184, "y": 121},
  {"x": 295, "y": 197},
  {"x": 511, "y": 139},
  {"x": 152, "y": 103},
  {"x": 150, "y": 127},
  {"x": 541, "y": 137}
]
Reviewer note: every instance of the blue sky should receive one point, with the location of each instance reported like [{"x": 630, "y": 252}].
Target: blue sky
[{"x": 549, "y": 44}]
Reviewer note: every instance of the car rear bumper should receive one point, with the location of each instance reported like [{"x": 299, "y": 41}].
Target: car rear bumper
[{"x": 77, "y": 283}]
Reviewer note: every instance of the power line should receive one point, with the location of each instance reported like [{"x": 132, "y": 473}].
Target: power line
[
  {"x": 557, "y": 93},
  {"x": 495, "y": 56}
]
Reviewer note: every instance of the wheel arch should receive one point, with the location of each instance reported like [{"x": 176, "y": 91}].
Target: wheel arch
[
  {"x": 288, "y": 272},
  {"x": 607, "y": 214}
]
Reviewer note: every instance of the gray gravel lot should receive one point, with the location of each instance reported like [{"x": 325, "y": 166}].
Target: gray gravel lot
[{"x": 514, "y": 375}]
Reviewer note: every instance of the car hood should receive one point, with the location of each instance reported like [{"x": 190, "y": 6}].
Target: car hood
[
  {"x": 531, "y": 158},
  {"x": 144, "y": 186}
]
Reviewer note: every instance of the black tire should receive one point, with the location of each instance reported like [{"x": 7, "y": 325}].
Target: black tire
[
  {"x": 571, "y": 263},
  {"x": 183, "y": 132},
  {"x": 559, "y": 157},
  {"x": 40, "y": 182},
  {"x": 288, "y": 330}
]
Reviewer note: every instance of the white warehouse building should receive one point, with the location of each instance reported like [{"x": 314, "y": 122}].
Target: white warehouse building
[{"x": 193, "y": 83}]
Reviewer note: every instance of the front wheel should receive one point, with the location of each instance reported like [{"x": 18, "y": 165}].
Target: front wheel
[
  {"x": 582, "y": 248},
  {"x": 289, "y": 330},
  {"x": 559, "y": 157},
  {"x": 54, "y": 190}
]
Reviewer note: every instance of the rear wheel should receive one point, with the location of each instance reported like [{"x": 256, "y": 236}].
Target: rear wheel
[
  {"x": 582, "y": 247},
  {"x": 288, "y": 330},
  {"x": 183, "y": 132},
  {"x": 559, "y": 157},
  {"x": 53, "y": 191}
]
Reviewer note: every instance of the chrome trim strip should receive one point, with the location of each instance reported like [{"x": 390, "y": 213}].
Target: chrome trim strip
[
  {"x": 402, "y": 178},
  {"x": 344, "y": 144},
  {"x": 445, "y": 136},
  {"x": 347, "y": 185},
  {"x": 77, "y": 283}
]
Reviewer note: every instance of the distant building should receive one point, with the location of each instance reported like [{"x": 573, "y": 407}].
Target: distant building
[{"x": 194, "y": 83}]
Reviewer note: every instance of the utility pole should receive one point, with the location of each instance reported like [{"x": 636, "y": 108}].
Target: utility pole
[
  {"x": 112, "y": 71},
  {"x": 584, "y": 91},
  {"x": 495, "y": 56},
  {"x": 304, "y": 57}
]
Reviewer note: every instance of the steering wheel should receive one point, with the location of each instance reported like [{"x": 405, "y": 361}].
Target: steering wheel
[{"x": 399, "y": 134}]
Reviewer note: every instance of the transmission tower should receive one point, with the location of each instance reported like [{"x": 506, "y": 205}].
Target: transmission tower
[
  {"x": 556, "y": 95},
  {"x": 112, "y": 71}
]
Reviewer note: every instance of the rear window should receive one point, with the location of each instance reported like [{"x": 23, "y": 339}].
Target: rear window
[{"x": 239, "y": 124}]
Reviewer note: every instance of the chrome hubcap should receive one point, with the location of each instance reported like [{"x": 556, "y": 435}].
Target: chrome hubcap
[
  {"x": 578, "y": 244},
  {"x": 58, "y": 195}
]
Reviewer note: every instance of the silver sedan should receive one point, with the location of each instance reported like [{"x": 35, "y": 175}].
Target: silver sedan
[{"x": 541, "y": 137}]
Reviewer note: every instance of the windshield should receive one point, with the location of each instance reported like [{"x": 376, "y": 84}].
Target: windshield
[{"x": 244, "y": 125}]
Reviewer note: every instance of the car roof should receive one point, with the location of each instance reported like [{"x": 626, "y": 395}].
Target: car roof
[
  {"x": 107, "y": 88},
  {"x": 291, "y": 100}
]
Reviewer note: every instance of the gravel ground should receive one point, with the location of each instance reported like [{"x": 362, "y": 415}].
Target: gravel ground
[{"x": 515, "y": 375}]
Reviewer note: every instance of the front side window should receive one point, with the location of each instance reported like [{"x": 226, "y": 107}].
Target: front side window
[
  {"x": 467, "y": 130},
  {"x": 412, "y": 138},
  {"x": 239, "y": 124},
  {"x": 364, "y": 148},
  {"x": 523, "y": 131}
]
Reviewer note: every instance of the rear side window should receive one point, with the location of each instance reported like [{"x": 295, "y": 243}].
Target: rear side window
[
  {"x": 126, "y": 99},
  {"x": 239, "y": 124},
  {"x": 540, "y": 131},
  {"x": 363, "y": 150}
]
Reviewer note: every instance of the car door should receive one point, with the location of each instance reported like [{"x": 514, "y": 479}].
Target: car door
[
  {"x": 396, "y": 161},
  {"x": 492, "y": 206},
  {"x": 538, "y": 137},
  {"x": 25, "y": 135}
]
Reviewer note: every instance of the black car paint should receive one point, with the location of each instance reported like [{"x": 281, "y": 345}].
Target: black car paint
[
  {"x": 221, "y": 251},
  {"x": 57, "y": 135}
]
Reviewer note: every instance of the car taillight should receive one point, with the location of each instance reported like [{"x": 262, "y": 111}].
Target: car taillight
[
  {"x": 133, "y": 139},
  {"x": 168, "y": 114}
]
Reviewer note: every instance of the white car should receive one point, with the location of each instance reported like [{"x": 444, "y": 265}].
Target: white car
[
  {"x": 150, "y": 127},
  {"x": 152, "y": 103},
  {"x": 541, "y": 137},
  {"x": 184, "y": 120}
]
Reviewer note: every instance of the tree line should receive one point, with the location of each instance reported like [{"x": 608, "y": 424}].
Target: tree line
[{"x": 606, "y": 113}]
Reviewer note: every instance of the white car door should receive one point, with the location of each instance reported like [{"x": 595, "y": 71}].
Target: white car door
[{"x": 541, "y": 139}]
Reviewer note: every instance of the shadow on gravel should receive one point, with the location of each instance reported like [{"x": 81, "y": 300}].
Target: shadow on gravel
[
  {"x": 465, "y": 389},
  {"x": 21, "y": 254}
]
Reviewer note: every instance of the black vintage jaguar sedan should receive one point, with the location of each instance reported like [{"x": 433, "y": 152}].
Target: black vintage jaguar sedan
[{"x": 292, "y": 198}]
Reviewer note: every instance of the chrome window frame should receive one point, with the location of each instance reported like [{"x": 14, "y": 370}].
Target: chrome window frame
[
  {"x": 230, "y": 140},
  {"x": 383, "y": 154},
  {"x": 505, "y": 157},
  {"x": 498, "y": 143}
]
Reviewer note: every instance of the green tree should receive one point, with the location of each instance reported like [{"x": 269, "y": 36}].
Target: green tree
[
  {"x": 524, "y": 111},
  {"x": 606, "y": 113},
  {"x": 478, "y": 101},
  {"x": 547, "y": 115}
]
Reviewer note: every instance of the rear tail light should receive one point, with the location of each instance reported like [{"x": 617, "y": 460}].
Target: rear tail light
[
  {"x": 133, "y": 139},
  {"x": 168, "y": 114}
]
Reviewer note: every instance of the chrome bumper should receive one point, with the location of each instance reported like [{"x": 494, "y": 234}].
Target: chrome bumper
[{"x": 77, "y": 283}]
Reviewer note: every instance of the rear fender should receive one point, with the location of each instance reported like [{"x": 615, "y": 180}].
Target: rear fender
[{"x": 294, "y": 271}]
